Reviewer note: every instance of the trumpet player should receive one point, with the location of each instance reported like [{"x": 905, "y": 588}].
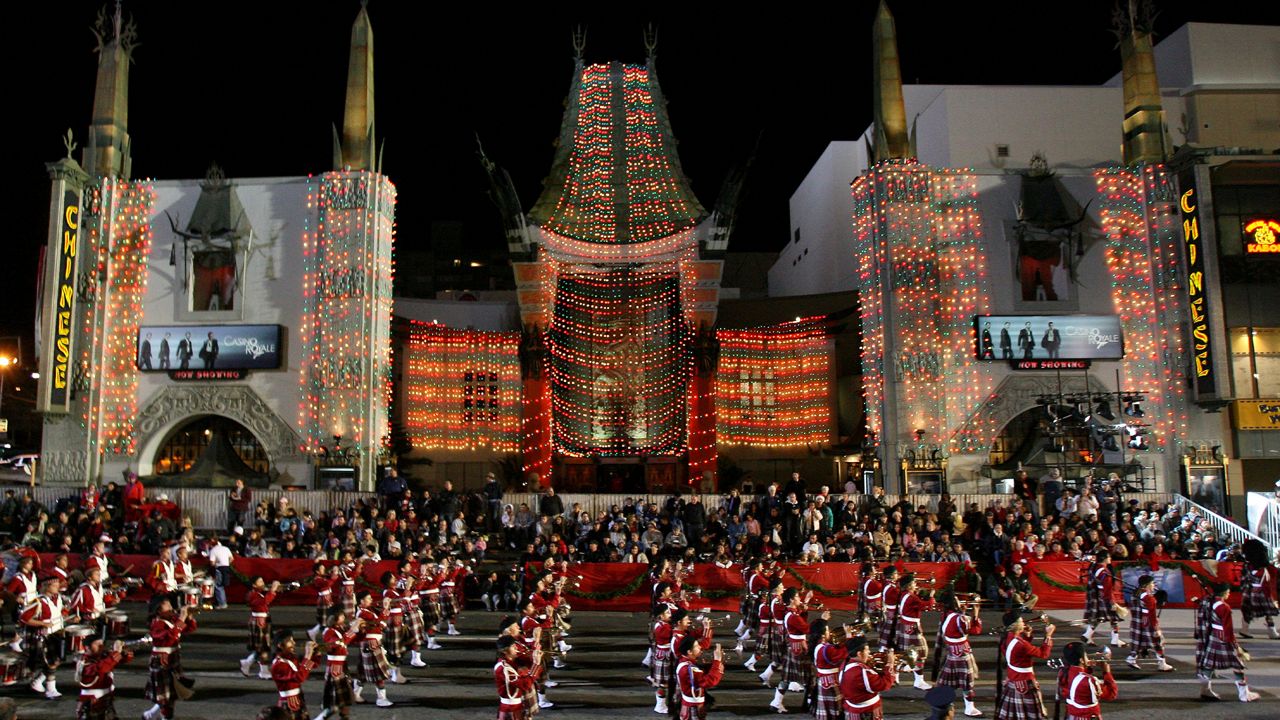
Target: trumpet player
[
  {"x": 1080, "y": 685},
  {"x": 797, "y": 663},
  {"x": 337, "y": 681},
  {"x": 323, "y": 583},
  {"x": 889, "y": 598},
  {"x": 828, "y": 657},
  {"x": 165, "y": 669},
  {"x": 1020, "y": 697},
  {"x": 959, "y": 668},
  {"x": 1100, "y": 604},
  {"x": 374, "y": 668},
  {"x": 289, "y": 672},
  {"x": 397, "y": 638},
  {"x": 513, "y": 683},
  {"x": 1144, "y": 626},
  {"x": 692, "y": 681},
  {"x": 861, "y": 685},
  {"x": 429, "y": 603},
  {"x": 910, "y": 635},
  {"x": 535, "y": 631},
  {"x": 757, "y": 584},
  {"x": 663, "y": 664},
  {"x": 1259, "y": 589},
  {"x": 1221, "y": 650},
  {"x": 259, "y": 599},
  {"x": 96, "y": 675},
  {"x": 872, "y": 589}
]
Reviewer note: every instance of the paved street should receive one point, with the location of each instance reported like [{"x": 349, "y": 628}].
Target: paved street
[{"x": 605, "y": 677}]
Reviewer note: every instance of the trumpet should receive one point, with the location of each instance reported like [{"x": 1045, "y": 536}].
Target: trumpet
[
  {"x": 1090, "y": 659},
  {"x": 905, "y": 661},
  {"x": 715, "y": 622},
  {"x": 141, "y": 642}
]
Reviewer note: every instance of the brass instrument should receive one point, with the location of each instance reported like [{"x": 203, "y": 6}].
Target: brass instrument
[
  {"x": 905, "y": 661},
  {"x": 141, "y": 642}
]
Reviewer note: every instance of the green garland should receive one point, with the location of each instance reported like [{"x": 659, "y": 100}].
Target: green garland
[
  {"x": 613, "y": 594},
  {"x": 1184, "y": 566},
  {"x": 819, "y": 588}
]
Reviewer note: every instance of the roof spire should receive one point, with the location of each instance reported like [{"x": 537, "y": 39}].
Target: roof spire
[
  {"x": 107, "y": 151},
  {"x": 356, "y": 148},
  {"x": 651, "y": 41},
  {"x": 891, "y": 139},
  {"x": 579, "y": 42},
  {"x": 1144, "y": 130}
]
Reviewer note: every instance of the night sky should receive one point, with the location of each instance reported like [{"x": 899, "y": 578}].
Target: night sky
[{"x": 256, "y": 87}]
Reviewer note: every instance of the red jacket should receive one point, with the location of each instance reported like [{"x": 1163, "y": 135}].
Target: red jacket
[
  {"x": 45, "y": 609},
  {"x": 259, "y": 603},
  {"x": 956, "y": 629},
  {"x": 828, "y": 658},
  {"x": 662, "y": 636},
  {"x": 289, "y": 673},
  {"x": 1223, "y": 627},
  {"x": 860, "y": 686},
  {"x": 371, "y": 625},
  {"x": 910, "y": 607},
  {"x": 694, "y": 681},
  {"x": 1020, "y": 656},
  {"x": 97, "y": 678},
  {"x": 890, "y": 597},
  {"x": 24, "y": 587},
  {"x": 1104, "y": 583},
  {"x": 324, "y": 590},
  {"x": 872, "y": 589},
  {"x": 335, "y": 642},
  {"x": 1083, "y": 692},
  {"x": 1145, "y": 611},
  {"x": 90, "y": 602},
  {"x": 167, "y": 632},
  {"x": 796, "y": 626},
  {"x": 512, "y": 683}
]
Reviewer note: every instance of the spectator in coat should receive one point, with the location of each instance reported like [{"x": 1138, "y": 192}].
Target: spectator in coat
[
  {"x": 493, "y": 496},
  {"x": 551, "y": 504}
]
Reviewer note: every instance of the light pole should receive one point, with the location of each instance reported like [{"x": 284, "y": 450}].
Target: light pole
[{"x": 5, "y": 362}]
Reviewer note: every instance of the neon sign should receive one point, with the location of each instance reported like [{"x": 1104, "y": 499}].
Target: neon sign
[{"x": 1261, "y": 236}]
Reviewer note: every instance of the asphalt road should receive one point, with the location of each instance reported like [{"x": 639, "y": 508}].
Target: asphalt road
[{"x": 605, "y": 678}]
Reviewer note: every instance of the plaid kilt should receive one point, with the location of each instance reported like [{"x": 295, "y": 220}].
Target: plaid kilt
[
  {"x": 750, "y": 609},
  {"x": 662, "y": 671},
  {"x": 349, "y": 602},
  {"x": 337, "y": 691},
  {"x": 260, "y": 636},
  {"x": 693, "y": 712},
  {"x": 764, "y": 641},
  {"x": 828, "y": 703},
  {"x": 777, "y": 644},
  {"x": 160, "y": 680},
  {"x": 1143, "y": 638},
  {"x": 1255, "y": 604},
  {"x": 959, "y": 670},
  {"x": 103, "y": 708},
  {"x": 888, "y": 624},
  {"x": 910, "y": 636},
  {"x": 393, "y": 639},
  {"x": 797, "y": 666},
  {"x": 374, "y": 667},
  {"x": 430, "y": 607},
  {"x": 875, "y": 713},
  {"x": 1219, "y": 655},
  {"x": 44, "y": 652},
  {"x": 448, "y": 604},
  {"x": 1020, "y": 700},
  {"x": 1096, "y": 611},
  {"x": 413, "y": 625},
  {"x": 295, "y": 708}
]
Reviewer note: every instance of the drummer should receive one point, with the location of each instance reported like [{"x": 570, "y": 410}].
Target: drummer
[
  {"x": 23, "y": 588},
  {"x": 42, "y": 626},
  {"x": 92, "y": 600},
  {"x": 163, "y": 581},
  {"x": 98, "y": 557}
]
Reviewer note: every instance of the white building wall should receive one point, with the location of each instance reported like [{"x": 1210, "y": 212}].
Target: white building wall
[{"x": 821, "y": 260}]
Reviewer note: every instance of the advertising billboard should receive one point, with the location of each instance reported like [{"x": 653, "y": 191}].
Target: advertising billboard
[
  {"x": 169, "y": 348},
  {"x": 1048, "y": 337}
]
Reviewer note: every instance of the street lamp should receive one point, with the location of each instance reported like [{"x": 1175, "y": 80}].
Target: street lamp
[{"x": 5, "y": 362}]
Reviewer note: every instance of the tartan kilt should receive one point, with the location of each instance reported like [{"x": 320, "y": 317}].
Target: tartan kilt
[
  {"x": 828, "y": 705},
  {"x": 777, "y": 645},
  {"x": 1256, "y": 604},
  {"x": 103, "y": 708},
  {"x": 750, "y": 609},
  {"x": 797, "y": 666},
  {"x": 160, "y": 680},
  {"x": 875, "y": 713},
  {"x": 337, "y": 691},
  {"x": 1219, "y": 655},
  {"x": 349, "y": 603},
  {"x": 959, "y": 671},
  {"x": 393, "y": 640},
  {"x": 1020, "y": 700},
  {"x": 764, "y": 641},
  {"x": 260, "y": 636},
  {"x": 693, "y": 712},
  {"x": 888, "y": 624},
  {"x": 910, "y": 636},
  {"x": 512, "y": 712},
  {"x": 413, "y": 625},
  {"x": 448, "y": 604},
  {"x": 43, "y": 651},
  {"x": 1142, "y": 637},
  {"x": 374, "y": 667},
  {"x": 662, "y": 672},
  {"x": 295, "y": 708},
  {"x": 430, "y": 610},
  {"x": 1096, "y": 611}
]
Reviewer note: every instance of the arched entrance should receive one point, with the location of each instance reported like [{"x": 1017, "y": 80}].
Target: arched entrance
[
  {"x": 188, "y": 442},
  {"x": 175, "y": 406},
  {"x": 1029, "y": 437}
]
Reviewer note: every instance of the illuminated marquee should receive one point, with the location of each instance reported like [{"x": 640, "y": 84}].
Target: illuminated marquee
[
  {"x": 1261, "y": 235},
  {"x": 63, "y": 300},
  {"x": 1197, "y": 301}
]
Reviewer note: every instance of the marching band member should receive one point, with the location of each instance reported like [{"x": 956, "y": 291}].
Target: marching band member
[
  {"x": 777, "y": 645},
  {"x": 42, "y": 623},
  {"x": 797, "y": 663},
  {"x": 960, "y": 669},
  {"x": 764, "y": 632},
  {"x": 323, "y": 583},
  {"x": 860, "y": 685},
  {"x": 693, "y": 681},
  {"x": 512, "y": 683},
  {"x": 289, "y": 672},
  {"x": 828, "y": 658},
  {"x": 662, "y": 669},
  {"x": 337, "y": 681},
  {"x": 259, "y": 599},
  {"x": 98, "y": 557},
  {"x": 165, "y": 669},
  {"x": 757, "y": 583},
  {"x": 97, "y": 679},
  {"x": 889, "y": 599},
  {"x": 1100, "y": 605},
  {"x": 872, "y": 590},
  {"x": 163, "y": 581},
  {"x": 24, "y": 588},
  {"x": 1020, "y": 697},
  {"x": 1081, "y": 687},
  {"x": 348, "y": 572},
  {"x": 1144, "y": 628},
  {"x": 374, "y": 668},
  {"x": 452, "y": 578},
  {"x": 1221, "y": 650},
  {"x": 429, "y": 602},
  {"x": 534, "y": 628},
  {"x": 910, "y": 634},
  {"x": 91, "y": 600},
  {"x": 397, "y": 636},
  {"x": 406, "y": 585},
  {"x": 524, "y": 661},
  {"x": 1259, "y": 589}
]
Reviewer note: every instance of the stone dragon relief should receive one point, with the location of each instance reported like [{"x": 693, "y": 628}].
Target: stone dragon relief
[{"x": 238, "y": 402}]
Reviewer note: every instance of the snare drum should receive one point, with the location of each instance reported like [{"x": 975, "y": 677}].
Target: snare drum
[
  {"x": 206, "y": 589},
  {"x": 117, "y": 625},
  {"x": 77, "y": 638},
  {"x": 188, "y": 595},
  {"x": 10, "y": 668}
]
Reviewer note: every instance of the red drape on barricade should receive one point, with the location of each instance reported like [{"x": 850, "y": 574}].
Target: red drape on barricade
[{"x": 1061, "y": 584}]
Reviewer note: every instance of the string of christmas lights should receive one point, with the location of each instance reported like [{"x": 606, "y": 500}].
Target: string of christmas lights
[
  {"x": 345, "y": 333},
  {"x": 773, "y": 385},
  {"x": 463, "y": 389}
]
